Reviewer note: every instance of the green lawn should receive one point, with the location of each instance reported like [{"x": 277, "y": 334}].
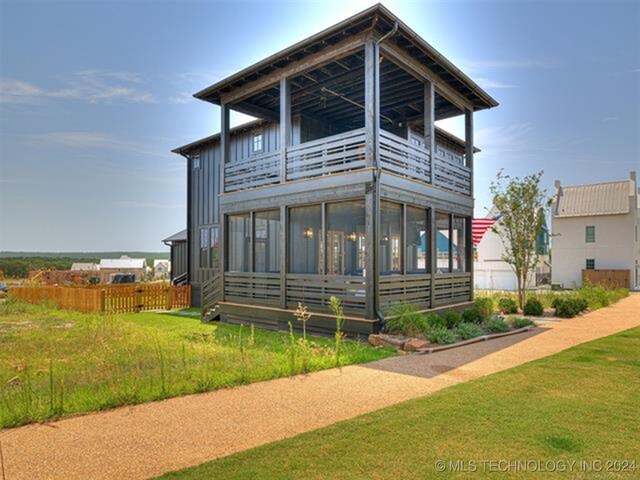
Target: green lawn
[
  {"x": 55, "y": 362},
  {"x": 582, "y": 404}
]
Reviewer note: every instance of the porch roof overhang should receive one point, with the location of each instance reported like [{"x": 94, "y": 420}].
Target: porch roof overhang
[{"x": 376, "y": 20}]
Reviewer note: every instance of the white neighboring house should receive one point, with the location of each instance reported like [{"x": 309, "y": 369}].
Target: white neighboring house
[
  {"x": 161, "y": 269},
  {"x": 84, "y": 267},
  {"x": 490, "y": 272},
  {"x": 109, "y": 267},
  {"x": 596, "y": 226}
]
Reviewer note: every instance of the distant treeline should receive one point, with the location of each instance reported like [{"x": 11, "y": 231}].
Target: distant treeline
[{"x": 19, "y": 266}]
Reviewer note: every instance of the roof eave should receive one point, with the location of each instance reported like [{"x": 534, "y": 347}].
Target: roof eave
[{"x": 489, "y": 102}]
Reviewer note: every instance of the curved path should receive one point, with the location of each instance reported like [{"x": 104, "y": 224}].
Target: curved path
[{"x": 150, "y": 439}]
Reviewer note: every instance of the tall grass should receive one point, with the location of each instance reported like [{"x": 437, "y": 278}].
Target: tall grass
[{"x": 55, "y": 362}]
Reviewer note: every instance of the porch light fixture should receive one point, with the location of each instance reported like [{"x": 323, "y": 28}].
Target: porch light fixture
[
  {"x": 352, "y": 236},
  {"x": 308, "y": 233}
]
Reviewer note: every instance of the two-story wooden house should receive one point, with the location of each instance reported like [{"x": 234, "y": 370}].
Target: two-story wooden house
[{"x": 343, "y": 186}]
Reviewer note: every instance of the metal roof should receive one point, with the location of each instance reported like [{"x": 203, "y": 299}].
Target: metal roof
[
  {"x": 595, "y": 199},
  {"x": 122, "y": 263},
  {"x": 376, "y": 17},
  {"x": 79, "y": 266},
  {"x": 181, "y": 236}
]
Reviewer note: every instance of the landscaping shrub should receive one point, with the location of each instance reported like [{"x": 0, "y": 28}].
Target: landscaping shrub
[
  {"x": 442, "y": 336},
  {"x": 507, "y": 306},
  {"x": 451, "y": 318},
  {"x": 469, "y": 330},
  {"x": 406, "y": 320},
  {"x": 485, "y": 306},
  {"x": 533, "y": 307},
  {"x": 569, "y": 306},
  {"x": 434, "y": 320},
  {"x": 519, "y": 322},
  {"x": 495, "y": 324},
  {"x": 472, "y": 315}
]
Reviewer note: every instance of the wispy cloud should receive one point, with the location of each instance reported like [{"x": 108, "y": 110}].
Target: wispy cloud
[
  {"x": 90, "y": 86},
  {"x": 511, "y": 139},
  {"x": 95, "y": 141},
  {"x": 610, "y": 119},
  {"x": 487, "y": 83},
  {"x": 143, "y": 204},
  {"x": 509, "y": 64}
]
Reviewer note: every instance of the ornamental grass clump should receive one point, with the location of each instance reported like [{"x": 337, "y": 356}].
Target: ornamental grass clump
[
  {"x": 485, "y": 306},
  {"x": 338, "y": 311},
  {"x": 451, "y": 318},
  {"x": 405, "y": 319}
]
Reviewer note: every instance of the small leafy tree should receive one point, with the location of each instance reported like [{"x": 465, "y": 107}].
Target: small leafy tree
[{"x": 522, "y": 205}]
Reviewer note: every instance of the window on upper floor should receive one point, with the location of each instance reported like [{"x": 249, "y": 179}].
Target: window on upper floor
[
  {"x": 257, "y": 144},
  {"x": 590, "y": 234},
  {"x": 591, "y": 264}
]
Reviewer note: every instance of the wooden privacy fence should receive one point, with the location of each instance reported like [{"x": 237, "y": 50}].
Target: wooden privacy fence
[
  {"x": 607, "y": 278},
  {"x": 109, "y": 298}
]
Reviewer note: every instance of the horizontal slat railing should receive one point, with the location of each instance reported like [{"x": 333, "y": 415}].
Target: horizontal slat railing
[
  {"x": 334, "y": 154},
  {"x": 400, "y": 156},
  {"x": 452, "y": 288},
  {"x": 252, "y": 172},
  {"x": 451, "y": 175},
  {"x": 252, "y": 288},
  {"x": 316, "y": 290},
  {"x": 414, "y": 289}
]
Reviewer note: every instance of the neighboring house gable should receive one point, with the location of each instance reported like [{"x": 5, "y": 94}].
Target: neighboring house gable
[{"x": 595, "y": 226}]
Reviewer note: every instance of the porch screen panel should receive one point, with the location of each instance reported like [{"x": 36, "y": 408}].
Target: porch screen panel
[
  {"x": 266, "y": 239},
  {"x": 443, "y": 240},
  {"x": 390, "y": 238},
  {"x": 305, "y": 239},
  {"x": 239, "y": 238},
  {"x": 346, "y": 238},
  {"x": 417, "y": 240},
  {"x": 459, "y": 244}
]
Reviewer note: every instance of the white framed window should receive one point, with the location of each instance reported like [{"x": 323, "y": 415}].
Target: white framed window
[
  {"x": 204, "y": 247},
  {"x": 257, "y": 142},
  {"x": 590, "y": 234},
  {"x": 195, "y": 159}
]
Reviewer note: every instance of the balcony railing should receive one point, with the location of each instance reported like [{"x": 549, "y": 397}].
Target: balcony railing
[
  {"x": 346, "y": 152},
  {"x": 334, "y": 154}
]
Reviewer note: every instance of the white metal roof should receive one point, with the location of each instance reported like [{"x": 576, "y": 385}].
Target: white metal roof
[
  {"x": 609, "y": 198},
  {"x": 84, "y": 266},
  {"x": 122, "y": 263}
]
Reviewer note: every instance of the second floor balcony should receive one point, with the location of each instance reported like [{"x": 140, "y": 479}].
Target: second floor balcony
[{"x": 345, "y": 152}]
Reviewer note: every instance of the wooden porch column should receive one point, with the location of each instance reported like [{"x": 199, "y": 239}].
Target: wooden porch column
[
  {"x": 468, "y": 141},
  {"x": 285, "y": 125},
  {"x": 225, "y": 144},
  {"x": 284, "y": 225},
  {"x": 433, "y": 252},
  {"x": 371, "y": 125},
  {"x": 429, "y": 124},
  {"x": 370, "y": 103}
]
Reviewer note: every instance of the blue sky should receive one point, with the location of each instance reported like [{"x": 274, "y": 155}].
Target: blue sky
[{"x": 94, "y": 95}]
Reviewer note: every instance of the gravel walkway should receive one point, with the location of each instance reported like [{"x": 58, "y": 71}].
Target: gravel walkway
[{"x": 150, "y": 439}]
